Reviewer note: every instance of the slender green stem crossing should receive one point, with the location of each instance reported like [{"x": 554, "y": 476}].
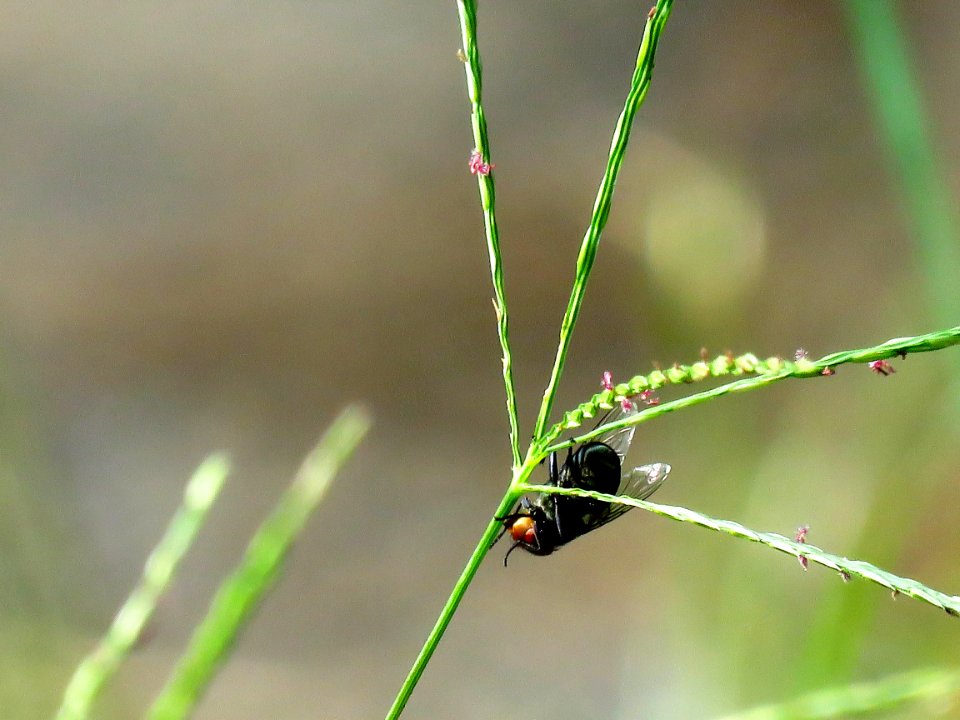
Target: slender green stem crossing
[
  {"x": 770, "y": 371},
  {"x": 450, "y": 607},
  {"x": 642, "y": 76},
  {"x": 474, "y": 69},
  {"x": 855, "y": 568}
]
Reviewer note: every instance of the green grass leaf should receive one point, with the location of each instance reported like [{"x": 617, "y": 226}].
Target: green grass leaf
[
  {"x": 160, "y": 568},
  {"x": 845, "y": 566},
  {"x": 240, "y": 593}
]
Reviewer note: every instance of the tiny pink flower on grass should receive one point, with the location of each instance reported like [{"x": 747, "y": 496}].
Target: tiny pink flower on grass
[
  {"x": 477, "y": 165},
  {"x": 881, "y": 367},
  {"x": 649, "y": 397},
  {"x": 606, "y": 382},
  {"x": 828, "y": 371},
  {"x": 801, "y": 537},
  {"x": 626, "y": 404}
]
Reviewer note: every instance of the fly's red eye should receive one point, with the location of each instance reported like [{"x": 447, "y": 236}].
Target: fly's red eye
[{"x": 523, "y": 530}]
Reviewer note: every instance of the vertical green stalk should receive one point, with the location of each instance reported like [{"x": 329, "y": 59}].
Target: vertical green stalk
[
  {"x": 103, "y": 662},
  {"x": 240, "y": 593},
  {"x": 453, "y": 602},
  {"x": 601, "y": 209},
  {"x": 474, "y": 69}
]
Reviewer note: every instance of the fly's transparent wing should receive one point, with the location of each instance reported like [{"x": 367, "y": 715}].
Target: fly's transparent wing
[
  {"x": 640, "y": 483},
  {"x": 619, "y": 440}
]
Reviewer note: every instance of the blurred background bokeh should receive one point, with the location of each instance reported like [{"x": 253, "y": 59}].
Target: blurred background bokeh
[{"x": 223, "y": 221}]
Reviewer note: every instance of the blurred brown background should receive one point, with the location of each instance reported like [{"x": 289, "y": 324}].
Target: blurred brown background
[{"x": 223, "y": 221}]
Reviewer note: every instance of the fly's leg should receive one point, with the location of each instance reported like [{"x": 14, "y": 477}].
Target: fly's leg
[
  {"x": 512, "y": 548},
  {"x": 556, "y": 480},
  {"x": 553, "y": 470}
]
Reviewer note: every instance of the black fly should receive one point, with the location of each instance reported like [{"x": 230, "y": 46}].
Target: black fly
[{"x": 546, "y": 522}]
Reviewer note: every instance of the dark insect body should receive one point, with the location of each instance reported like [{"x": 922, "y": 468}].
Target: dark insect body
[{"x": 547, "y": 522}]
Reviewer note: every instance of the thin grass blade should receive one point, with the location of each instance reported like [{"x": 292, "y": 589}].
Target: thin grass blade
[
  {"x": 240, "y": 593},
  {"x": 846, "y": 567},
  {"x": 102, "y": 663},
  {"x": 931, "y": 685}
]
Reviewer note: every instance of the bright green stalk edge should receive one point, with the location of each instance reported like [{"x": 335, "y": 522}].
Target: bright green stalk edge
[
  {"x": 240, "y": 593},
  {"x": 474, "y": 69},
  {"x": 641, "y": 82},
  {"x": 98, "y": 667},
  {"x": 862, "y": 698}
]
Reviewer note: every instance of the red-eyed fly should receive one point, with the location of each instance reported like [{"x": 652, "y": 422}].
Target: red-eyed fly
[{"x": 546, "y": 522}]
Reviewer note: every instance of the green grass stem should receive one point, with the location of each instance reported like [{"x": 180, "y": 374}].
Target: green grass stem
[
  {"x": 764, "y": 372},
  {"x": 857, "y": 568},
  {"x": 98, "y": 667},
  {"x": 450, "y": 607},
  {"x": 474, "y": 70},
  {"x": 240, "y": 593},
  {"x": 642, "y": 76},
  {"x": 773, "y": 370}
]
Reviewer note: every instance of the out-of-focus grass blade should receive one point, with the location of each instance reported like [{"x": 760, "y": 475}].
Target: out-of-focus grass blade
[
  {"x": 240, "y": 593},
  {"x": 160, "y": 567},
  {"x": 861, "y": 698},
  {"x": 905, "y": 127}
]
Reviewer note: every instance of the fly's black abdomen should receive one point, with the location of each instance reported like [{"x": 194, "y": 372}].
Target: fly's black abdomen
[{"x": 594, "y": 466}]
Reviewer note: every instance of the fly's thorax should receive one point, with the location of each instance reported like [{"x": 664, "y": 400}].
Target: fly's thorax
[{"x": 543, "y": 507}]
